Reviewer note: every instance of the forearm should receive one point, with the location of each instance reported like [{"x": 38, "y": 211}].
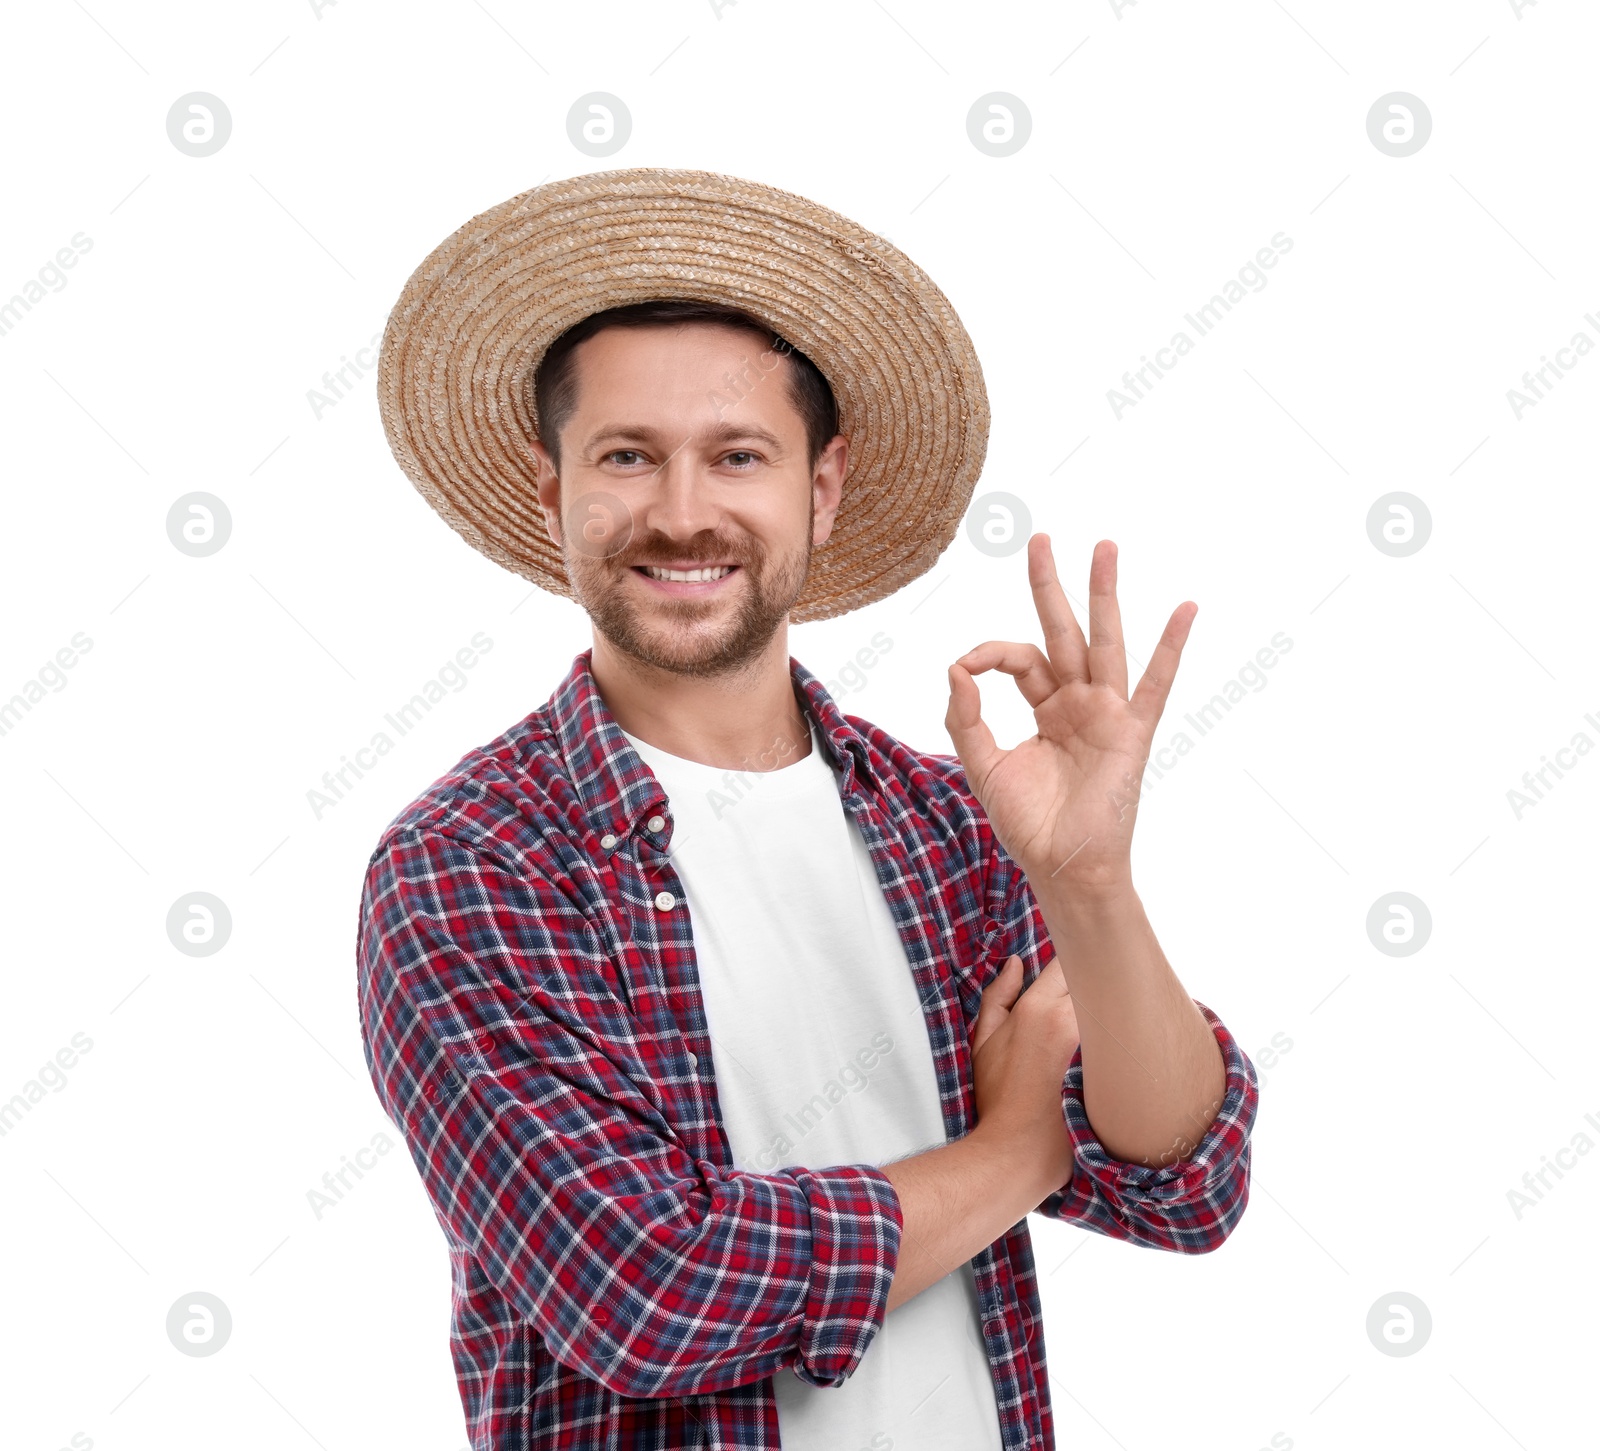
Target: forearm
[
  {"x": 1153, "y": 1074},
  {"x": 956, "y": 1201}
]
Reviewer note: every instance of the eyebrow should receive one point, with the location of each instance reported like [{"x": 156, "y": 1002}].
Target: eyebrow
[{"x": 720, "y": 433}]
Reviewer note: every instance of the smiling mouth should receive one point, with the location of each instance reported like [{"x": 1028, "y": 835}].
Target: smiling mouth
[{"x": 704, "y": 575}]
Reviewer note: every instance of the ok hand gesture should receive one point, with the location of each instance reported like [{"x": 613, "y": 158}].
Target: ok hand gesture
[{"x": 1061, "y": 801}]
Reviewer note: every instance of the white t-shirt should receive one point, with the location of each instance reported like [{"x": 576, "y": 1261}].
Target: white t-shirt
[{"x": 822, "y": 1057}]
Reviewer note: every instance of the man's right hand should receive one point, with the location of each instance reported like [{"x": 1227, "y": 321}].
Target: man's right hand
[{"x": 1022, "y": 1044}]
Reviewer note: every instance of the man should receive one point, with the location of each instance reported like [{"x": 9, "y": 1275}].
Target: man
[{"x": 734, "y": 1040}]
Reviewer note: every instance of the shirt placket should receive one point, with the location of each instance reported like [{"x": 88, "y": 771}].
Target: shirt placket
[
  {"x": 660, "y": 907},
  {"x": 657, "y": 921}
]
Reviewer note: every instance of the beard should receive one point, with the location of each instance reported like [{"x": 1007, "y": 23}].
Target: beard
[{"x": 678, "y": 634}]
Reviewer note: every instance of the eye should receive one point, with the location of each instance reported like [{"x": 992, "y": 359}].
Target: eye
[
  {"x": 633, "y": 453},
  {"x": 740, "y": 453}
]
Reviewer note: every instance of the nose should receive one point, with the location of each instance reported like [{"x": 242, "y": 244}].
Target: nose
[{"x": 680, "y": 500}]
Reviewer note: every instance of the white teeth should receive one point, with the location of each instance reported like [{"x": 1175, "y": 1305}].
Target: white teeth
[{"x": 689, "y": 576}]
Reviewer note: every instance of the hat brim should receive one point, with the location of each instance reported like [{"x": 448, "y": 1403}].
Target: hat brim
[{"x": 476, "y": 317}]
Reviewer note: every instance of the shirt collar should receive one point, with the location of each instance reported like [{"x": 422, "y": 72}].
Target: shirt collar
[{"x": 617, "y": 789}]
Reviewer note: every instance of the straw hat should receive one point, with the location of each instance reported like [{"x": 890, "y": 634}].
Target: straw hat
[{"x": 455, "y": 371}]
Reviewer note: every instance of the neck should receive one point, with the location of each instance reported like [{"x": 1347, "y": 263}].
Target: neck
[{"x": 746, "y": 719}]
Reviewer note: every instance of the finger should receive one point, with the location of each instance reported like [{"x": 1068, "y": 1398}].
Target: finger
[
  {"x": 1007, "y": 983},
  {"x": 997, "y": 998},
  {"x": 963, "y": 719},
  {"x": 1150, "y": 698},
  {"x": 1027, "y": 664},
  {"x": 1108, "y": 662},
  {"x": 1063, "y": 640}
]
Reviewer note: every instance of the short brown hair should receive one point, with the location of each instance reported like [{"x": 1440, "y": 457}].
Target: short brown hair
[{"x": 555, "y": 381}]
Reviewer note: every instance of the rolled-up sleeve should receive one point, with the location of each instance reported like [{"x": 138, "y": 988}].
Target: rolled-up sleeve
[
  {"x": 1189, "y": 1206},
  {"x": 512, "y": 1072}
]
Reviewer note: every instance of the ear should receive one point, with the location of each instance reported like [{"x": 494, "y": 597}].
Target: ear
[
  {"x": 548, "y": 490},
  {"x": 827, "y": 485}
]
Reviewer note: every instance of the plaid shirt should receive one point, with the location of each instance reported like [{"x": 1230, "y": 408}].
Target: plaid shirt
[{"x": 532, "y": 1021}]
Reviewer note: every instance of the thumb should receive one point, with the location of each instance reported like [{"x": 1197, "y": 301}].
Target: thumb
[{"x": 963, "y": 720}]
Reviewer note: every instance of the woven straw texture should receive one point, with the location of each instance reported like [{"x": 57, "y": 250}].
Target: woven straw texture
[{"x": 456, "y": 365}]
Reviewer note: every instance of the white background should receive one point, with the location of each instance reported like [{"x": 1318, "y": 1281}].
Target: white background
[{"x": 1169, "y": 143}]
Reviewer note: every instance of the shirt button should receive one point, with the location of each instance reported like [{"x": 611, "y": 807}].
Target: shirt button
[
  {"x": 608, "y": 841},
  {"x": 656, "y": 823},
  {"x": 665, "y": 901},
  {"x": 693, "y": 1061}
]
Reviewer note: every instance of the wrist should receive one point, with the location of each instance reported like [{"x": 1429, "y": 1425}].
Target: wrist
[
  {"x": 1101, "y": 899},
  {"x": 1012, "y": 1160}
]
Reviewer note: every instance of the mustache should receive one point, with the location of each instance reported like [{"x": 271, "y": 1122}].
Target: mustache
[{"x": 664, "y": 552}]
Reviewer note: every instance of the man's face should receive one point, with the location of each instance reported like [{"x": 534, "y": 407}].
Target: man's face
[{"x": 691, "y": 431}]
